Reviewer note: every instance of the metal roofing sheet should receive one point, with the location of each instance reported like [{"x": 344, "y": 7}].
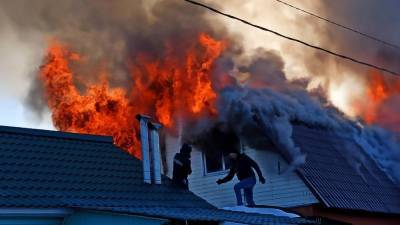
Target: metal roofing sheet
[
  {"x": 338, "y": 181},
  {"x": 55, "y": 169}
]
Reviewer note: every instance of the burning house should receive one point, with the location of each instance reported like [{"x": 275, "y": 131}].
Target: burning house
[
  {"x": 329, "y": 184},
  {"x": 325, "y": 152},
  {"x": 50, "y": 177}
]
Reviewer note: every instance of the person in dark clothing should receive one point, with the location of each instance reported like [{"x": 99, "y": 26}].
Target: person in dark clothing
[
  {"x": 243, "y": 166},
  {"x": 182, "y": 167}
]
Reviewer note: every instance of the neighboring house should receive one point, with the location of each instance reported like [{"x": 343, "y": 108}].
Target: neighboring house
[
  {"x": 327, "y": 186},
  {"x": 54, "y": 178}
]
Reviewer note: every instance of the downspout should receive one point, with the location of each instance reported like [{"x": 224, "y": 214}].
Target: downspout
[
  {"x": 155, "y": 151},
  {"x": 144, "y": 139}
]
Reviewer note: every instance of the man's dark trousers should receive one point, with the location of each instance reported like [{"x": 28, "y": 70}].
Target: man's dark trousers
[{"x": 247, "y": 185}]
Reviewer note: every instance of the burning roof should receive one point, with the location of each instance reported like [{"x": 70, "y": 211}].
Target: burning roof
[
  {"x": 181, "y": 90},
  {"x": 107, "y": 62},
  {"x": 166, "y": 88}
]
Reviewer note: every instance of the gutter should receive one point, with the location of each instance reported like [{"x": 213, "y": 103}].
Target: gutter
[{"x": 47, "y": 212}]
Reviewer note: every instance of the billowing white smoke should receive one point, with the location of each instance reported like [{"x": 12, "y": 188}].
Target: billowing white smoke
[
  {"x": 273, "y": 113},
  {"x": 344, "y": 83},
  {"x": 265, "y": 106}
]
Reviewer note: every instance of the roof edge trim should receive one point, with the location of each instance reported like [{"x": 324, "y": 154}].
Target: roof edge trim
[
  {"x": 55, "y": 134},
  {"x": 48, "y": 212}
]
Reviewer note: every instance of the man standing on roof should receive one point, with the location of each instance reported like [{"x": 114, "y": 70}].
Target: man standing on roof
[
  {"x": 243, "y": 166},
  {"x": 182, "y": 167}
]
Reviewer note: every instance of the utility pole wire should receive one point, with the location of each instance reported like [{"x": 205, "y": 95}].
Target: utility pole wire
[
  {"x": 294, "y": 39},
  {"x": 340, "y": 25}
]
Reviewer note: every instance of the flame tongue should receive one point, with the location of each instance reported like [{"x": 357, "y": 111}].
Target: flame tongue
[
  {"x": 376, "y": 108},
  {"x": 177, "y": 86},
  {"x": 377, "y": 92},
  {"x": 163, "y": 88},
  {"x": 100, "y": 110}
]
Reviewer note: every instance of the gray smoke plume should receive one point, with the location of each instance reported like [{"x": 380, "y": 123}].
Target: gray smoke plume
[
  {"x": 375, "y": 18},
  {"x": 263, "y": 109},
  {"x": 379, "y": 19}
]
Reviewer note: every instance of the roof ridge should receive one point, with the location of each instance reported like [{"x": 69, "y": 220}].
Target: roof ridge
[{"x": 55, "y": 134}]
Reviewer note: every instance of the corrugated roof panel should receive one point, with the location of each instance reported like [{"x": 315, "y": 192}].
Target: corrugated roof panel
[
  {"x": 338, "y": 182},
  {"x": 55, "y": 169}
]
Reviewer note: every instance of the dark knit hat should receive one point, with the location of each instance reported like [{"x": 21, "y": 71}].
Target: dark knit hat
[
  {"x": 186, "y": 149},
  {"x": 228, "y": 151}
]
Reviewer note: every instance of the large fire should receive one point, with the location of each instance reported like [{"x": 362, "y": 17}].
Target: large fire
[
  {"x": 167, "y": 88},
  {"x": 163, "y": 88},
  {"x": 375, "y": 102}
]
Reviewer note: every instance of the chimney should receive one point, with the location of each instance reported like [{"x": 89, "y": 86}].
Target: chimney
[
  {"x": 144, "y": 139},
  {"x": 155, "y": 151}
]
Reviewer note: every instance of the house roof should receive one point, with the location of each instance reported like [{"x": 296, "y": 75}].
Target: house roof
[
  {"x": 49, "y": 169},
  {"x": 337, "y": 179}
]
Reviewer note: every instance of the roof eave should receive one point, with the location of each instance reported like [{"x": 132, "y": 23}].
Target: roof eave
[{"x": 48, "y": 212}]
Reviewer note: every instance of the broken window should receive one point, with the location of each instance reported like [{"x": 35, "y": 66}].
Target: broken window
[
  {"x": 216, "y": 144},
  {"x": 215, "y": 161}
]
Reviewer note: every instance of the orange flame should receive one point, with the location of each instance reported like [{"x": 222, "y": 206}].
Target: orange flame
[
  {"x": 165, "y": 88},
  {"x": 378, "y": 91}
]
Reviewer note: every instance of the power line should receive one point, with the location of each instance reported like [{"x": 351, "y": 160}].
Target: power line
[
  {"x": 294, "y": 39},
  {"x": 342, "y": 26}
]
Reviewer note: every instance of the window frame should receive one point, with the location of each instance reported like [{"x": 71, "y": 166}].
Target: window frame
[
  {"x": 219, "y": 172},
  {"x": 205, "y": 173}
]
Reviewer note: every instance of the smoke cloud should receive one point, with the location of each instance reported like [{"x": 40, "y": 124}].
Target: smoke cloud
[
  {"x": 108, "y": 32},
  {"x": 345, "y": 84},
  {"x": 378, "y": 19}
]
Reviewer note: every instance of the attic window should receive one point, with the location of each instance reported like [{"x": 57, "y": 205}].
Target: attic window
[
  {"x": 215, "y": 162},
  {"x": 217, "y": 142}
]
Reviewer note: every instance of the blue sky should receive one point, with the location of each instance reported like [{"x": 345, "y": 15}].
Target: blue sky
[
  {"x": 19, "y": 59},
  {"x": 13, "y": 113}
]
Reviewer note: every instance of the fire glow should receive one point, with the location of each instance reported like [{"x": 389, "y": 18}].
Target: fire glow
[
  {"x": 167, "y": 88},
  {"x": 378, "y": 91},
  {"x": 162, "y": 88}
]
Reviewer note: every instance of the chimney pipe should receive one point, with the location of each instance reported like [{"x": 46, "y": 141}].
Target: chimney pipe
[
  {"x": 155, "y": 151},
  {"x": 144, "y": 139}
]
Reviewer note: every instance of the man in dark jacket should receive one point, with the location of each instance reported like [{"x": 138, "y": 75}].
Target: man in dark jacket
[
  {"x": 243, "y": 166},
  {"x": 182, "y": 167}
]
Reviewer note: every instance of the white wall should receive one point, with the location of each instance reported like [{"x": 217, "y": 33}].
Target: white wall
[
  {"x": 281, "y": 189},
  {"x": 284, "y": 190}
]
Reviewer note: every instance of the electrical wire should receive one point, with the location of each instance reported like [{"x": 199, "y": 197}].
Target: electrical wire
[
  {"x": 294, "y": 39},
  {"x": 340, "y": 25}
]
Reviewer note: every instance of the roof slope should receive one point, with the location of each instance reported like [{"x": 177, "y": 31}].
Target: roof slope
[
  {"x": 42, "y": 169},
  {"x": 337, "y": 182}
]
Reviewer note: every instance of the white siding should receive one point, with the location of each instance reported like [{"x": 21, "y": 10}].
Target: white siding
[
  {"x": 285, "y": 190},
  {"x": 281, "y": 189}
]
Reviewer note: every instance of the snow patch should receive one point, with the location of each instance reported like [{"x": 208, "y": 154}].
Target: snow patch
[{"x": 268, "y": 211}]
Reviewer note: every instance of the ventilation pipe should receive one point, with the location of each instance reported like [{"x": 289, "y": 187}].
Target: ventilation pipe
[
  {"x": 155, "y": 151},
  {"x": 144, "y": 139}
]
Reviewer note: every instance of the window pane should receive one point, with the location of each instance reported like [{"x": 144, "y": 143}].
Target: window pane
[{"x": 213, "y": 161}]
